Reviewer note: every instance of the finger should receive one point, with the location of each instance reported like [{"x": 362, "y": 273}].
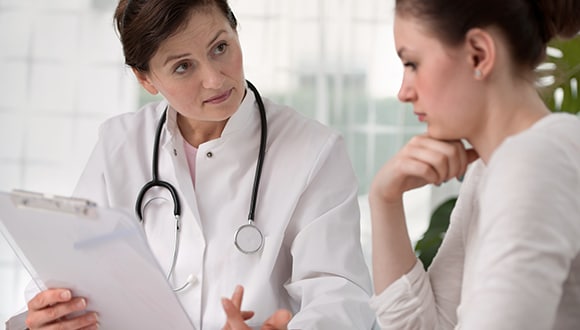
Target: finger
[
  {"x": 49, "y": 297},
  {"x": 462, "y": 161},
  {"x": 459, "y": 160},
  {"x": 38, "y": 318},
  {"x": 448, "y": 158},
  {"x": 86, "y": 321},
  {"x": 246, "y": 315},
  {"x": 91, "y": 327},
  {"x": 431, "y": 157},
  {"x": 420, "y": 171},
  {"x": 472, "y": 155},
  {"x": 238, "y": 296},
  {"x": 429, "y": 164},
  {"x": 444, "y": 156},
  {"x": 412, "y": 167},
  {"x": 234, "y": 319},
  {"x": 278, "y": 321}
]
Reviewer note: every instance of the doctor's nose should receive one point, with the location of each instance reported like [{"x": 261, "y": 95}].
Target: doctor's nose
[{"x": 212, "y": 77}]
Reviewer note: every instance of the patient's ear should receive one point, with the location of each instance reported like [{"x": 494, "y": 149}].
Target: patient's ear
[
  {"x": 481, "y": 50},
  {"x": 144, "y": 81}
]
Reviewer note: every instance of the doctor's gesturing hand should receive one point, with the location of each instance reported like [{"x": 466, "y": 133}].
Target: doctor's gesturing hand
[
  {"x": 236, "y": 317},
  {"x": 48, "y": 310}
]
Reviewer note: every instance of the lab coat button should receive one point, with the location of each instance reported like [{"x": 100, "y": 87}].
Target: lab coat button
[{"x": 209, "y": 154}]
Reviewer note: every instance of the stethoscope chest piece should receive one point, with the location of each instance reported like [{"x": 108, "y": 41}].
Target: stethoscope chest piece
[{"x": 248, "y": 238}]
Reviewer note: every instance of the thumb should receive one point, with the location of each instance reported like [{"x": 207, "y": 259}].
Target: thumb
[
  {"x": 234, "y": 318},
  {"x": 278, "y": 321}
]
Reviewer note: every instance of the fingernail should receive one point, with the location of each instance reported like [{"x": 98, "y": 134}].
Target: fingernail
[
  {"x": 461, "y": 177},
  {"x": 82, "y": 303},
  {"x": 65, "y": 295}
]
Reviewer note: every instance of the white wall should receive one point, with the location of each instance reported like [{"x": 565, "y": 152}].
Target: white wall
[{"x": 62, "y": 73}]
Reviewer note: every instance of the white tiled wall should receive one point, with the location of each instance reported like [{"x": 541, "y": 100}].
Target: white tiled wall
[{"x": 61, "y": 74}]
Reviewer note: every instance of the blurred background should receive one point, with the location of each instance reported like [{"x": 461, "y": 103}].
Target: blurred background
[{"x": 62, "y": 74}]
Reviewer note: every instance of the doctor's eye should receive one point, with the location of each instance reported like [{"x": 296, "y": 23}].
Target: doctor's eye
[
  {"x": 182, "y": 68},
  {"x": 220, "y": 49}
]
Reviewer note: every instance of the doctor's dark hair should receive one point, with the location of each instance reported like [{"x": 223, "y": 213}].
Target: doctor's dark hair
[
  {"x": 142, "y": 25},
  {"x": 527, "y": 25}
]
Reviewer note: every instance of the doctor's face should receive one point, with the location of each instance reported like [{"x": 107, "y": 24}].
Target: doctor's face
[{"x": 199, "y": 69}]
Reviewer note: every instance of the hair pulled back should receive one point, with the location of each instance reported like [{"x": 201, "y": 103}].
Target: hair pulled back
[
  {"x": 143, "y": 25},
  {"x": 528, "y": 25}
]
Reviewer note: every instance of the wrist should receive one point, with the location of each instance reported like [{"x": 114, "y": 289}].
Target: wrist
[{"x": 378, "y": 196}]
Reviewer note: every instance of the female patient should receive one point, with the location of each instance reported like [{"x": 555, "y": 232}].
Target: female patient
[{"x": 510, "y": 259}]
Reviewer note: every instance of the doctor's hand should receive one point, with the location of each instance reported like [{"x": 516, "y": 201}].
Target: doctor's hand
[
  {"x": 423, "y": 160},
  {"x": 235, "y": 317},
  {"x": 50, "y": 310}
]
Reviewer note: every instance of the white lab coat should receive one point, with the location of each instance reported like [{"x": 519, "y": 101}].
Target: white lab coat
[{"x": 311, "y": 262}]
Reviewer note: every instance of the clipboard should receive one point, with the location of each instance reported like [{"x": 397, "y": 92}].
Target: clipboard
[{"x": 98, "y": 253}]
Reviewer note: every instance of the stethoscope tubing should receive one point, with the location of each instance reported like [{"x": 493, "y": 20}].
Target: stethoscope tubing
[
  {"x": 261, "y": 152},
  {"x": 156, "y": 182}
]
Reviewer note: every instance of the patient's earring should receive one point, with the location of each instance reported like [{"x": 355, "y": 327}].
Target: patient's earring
[{"x": 478, "y": 74}]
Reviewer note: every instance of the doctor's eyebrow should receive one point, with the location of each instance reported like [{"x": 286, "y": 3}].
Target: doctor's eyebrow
[
  {"x": 220, "y": 32},
  {"x": 175, "y": 57},
  {"x": 178, "y": 56}
]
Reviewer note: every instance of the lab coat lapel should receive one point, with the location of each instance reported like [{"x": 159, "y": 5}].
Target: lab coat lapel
[{"x": 173, "y": 149}]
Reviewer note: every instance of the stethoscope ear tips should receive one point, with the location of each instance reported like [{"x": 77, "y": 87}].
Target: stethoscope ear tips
[{"x": 191, "y": 280}]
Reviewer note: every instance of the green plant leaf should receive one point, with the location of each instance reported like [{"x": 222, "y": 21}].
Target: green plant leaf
[
  {"x": 560, "y": 74},
  {"x": 427, "y": 246}
]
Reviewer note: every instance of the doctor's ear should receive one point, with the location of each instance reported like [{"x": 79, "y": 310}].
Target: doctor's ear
[
  {"x": 481, "y": 51},
  {"x": 144, "y": 81}
]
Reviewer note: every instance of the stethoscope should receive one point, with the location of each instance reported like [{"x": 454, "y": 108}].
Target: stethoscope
[{"x": 248, "y": 238}]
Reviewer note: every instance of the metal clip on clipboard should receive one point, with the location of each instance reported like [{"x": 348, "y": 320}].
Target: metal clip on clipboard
[{"x": 77, "y": 206}]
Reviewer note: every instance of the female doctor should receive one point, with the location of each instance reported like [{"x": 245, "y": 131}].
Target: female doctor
[{"x": 208, "y": 155}]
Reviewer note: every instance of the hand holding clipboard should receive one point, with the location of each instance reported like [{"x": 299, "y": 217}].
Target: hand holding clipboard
[{"x": 97, "y": 253}]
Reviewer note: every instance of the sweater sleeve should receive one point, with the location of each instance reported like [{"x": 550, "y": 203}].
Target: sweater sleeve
[
  {"x": 429, "y": 300},
  {"x": 528, "y": 235}
]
